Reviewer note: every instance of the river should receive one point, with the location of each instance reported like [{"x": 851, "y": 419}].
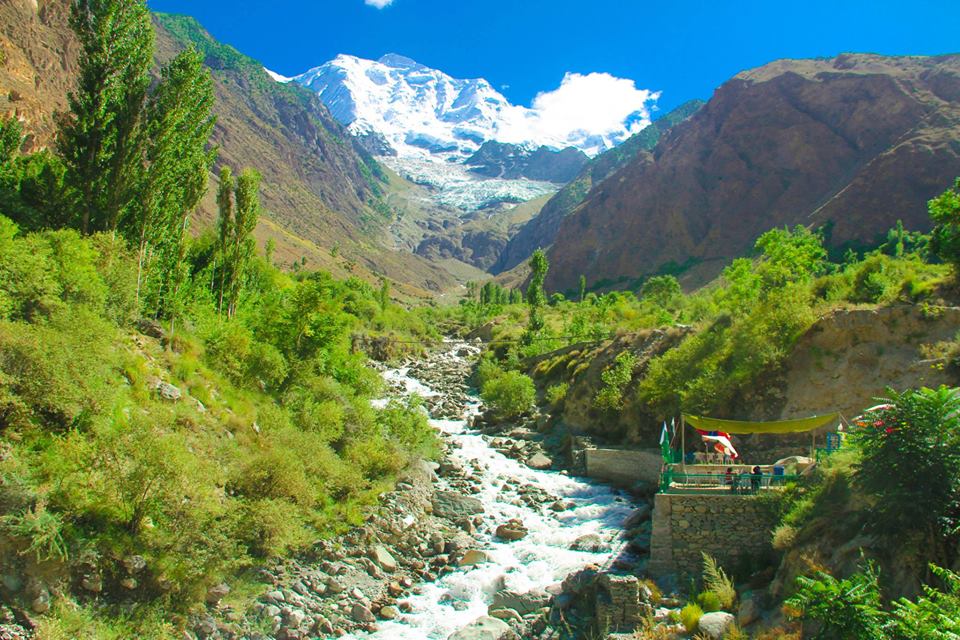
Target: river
[{"x": 533, "y": 563}]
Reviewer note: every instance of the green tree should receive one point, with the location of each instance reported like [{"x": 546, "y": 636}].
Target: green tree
[
  {"x": 910, "y": 463},
  {"x": 583, "y": 287},
  {"x": 945, "y": 213},
  {"x": 224, "y": 227},
  {"x": 789, "y": 256},
  {"x": 664, "y": 291},
  {"x": 179, "y": 125},
  {"x": 536, "y": 296},
  {"x": 102, "y": 138},
  {"x": 239, "y": 213}
]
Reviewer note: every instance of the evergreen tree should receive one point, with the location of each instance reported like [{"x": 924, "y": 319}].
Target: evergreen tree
[
  {"x": 102, "y": 138},
  {"x": 179, "y": 125},
  {"x": 583, "y": 287}
]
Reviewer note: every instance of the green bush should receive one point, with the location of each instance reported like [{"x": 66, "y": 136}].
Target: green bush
[
  {"x": 690, "y": 616},
  {"x": 510, "y": 394},
  {"x": 709, "y": 601}
]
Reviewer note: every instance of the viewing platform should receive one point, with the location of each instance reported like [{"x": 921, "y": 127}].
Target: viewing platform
[{"x": 714, "y": 478}]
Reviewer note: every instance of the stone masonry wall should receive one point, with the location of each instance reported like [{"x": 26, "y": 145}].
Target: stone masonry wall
[
  {"x": 624, "y": 466},
  {"x": 728, "y": 527}
]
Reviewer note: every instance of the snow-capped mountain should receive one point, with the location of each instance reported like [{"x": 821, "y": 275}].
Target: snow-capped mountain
[
  {"x": 426, "y": 125},
  {"x": 415, "y": 111}
]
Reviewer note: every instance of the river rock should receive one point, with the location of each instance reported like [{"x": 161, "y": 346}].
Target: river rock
[
  {"x": 713, "y": 625},
  {"x": 485, "y": 628},
  {"x": 522, "y": 603},
  {"x": 453, "y": 506},
  {"x": 512, "y": 530},
  {"x": 590, "y": 542},
  {"x": 539, "y": 461},
  {"x": 474, "y": 557},
  {"x": 507, "y": 615},
  {"x": 382, "y": 557},
  {"x": 361, "y": 614},
  {"x": 389, "y": 612}
]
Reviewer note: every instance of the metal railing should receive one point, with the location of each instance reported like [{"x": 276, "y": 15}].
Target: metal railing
[{"x": 679, "y": 481}]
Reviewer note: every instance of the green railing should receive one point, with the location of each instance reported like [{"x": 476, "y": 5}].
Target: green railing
[{"x": 679, "y": 481}]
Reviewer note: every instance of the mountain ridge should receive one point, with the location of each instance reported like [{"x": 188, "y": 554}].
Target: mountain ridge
[{"x": 851, "y": 144}]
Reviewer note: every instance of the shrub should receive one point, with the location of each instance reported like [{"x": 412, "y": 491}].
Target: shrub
[
  {"x": 709, "y": 601},
  {"x": 719, "y": 583},
  {"x": 615, "y": 379},
  {"x": 690, "y": 616},
  {"x": 557, "y": 393},
  {"x": 510, "y": 394},
  {"x": 846, "y": 609},
  {"x": 784, "y": 537}
]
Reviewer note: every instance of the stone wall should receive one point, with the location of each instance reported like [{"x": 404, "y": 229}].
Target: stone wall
[
  {"x": 624, "y": 466},
  {"x": 729, "y": 527}
]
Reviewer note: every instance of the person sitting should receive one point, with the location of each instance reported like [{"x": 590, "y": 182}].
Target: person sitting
[{"x": 756, "y": 478}]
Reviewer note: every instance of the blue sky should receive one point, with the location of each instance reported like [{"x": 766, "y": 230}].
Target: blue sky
[{"x": 523, "y": 47}]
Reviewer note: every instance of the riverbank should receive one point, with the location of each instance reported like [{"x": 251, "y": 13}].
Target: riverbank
[{"x": 478, "y": 533}]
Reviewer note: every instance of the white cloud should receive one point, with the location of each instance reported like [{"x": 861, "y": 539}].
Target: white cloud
[
  {"x": 595, "y": 111},
  {"x": 379, "y": 4}
]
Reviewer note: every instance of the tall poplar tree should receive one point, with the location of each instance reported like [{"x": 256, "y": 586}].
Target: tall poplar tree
[
  {"x": 102, "y": 138},
  {"x": 536, "y": 296},
  {"x": 238, "y": 232},
  {"x": 179, "y": 158},
  {"x": 224, "y": 227}
]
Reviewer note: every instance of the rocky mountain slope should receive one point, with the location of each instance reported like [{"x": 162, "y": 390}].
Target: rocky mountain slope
[
  {"x": 320, "y": 192},
  {"x": 541, "y": 230},
  {"x": 851, "y": 143}
]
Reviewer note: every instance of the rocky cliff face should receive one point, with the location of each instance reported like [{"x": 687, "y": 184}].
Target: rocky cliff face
[
  {"x": 38, "y": 61},
  {"x": 852, "y": 143},
  {"x": 542, "y": 229}
]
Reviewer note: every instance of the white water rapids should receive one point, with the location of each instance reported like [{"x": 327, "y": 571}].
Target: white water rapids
[{"x": 540, "y": 559}]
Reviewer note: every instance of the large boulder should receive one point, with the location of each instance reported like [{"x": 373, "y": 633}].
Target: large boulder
[
  {"x": 454, "y": 506},
  {"x": 715, "y": 624},
  {"x": 485, "y": 628}
]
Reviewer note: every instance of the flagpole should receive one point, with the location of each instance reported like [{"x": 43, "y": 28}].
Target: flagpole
[{"x": 683, "y": 444}]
